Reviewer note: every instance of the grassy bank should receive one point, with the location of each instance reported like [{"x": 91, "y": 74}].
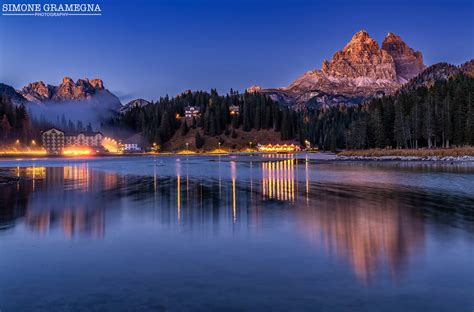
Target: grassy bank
[{"x": 422, "y": 152}]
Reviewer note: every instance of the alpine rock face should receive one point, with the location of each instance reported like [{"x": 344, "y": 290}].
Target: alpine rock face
[
  {"x": 80, "y": 90},
  {"x": 360, "y": 71},
  {"x": 134, "y": 103}
]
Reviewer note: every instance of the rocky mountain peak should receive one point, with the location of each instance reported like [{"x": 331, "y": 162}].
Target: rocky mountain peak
[
  {"x": 360, "y": 71},
  {"x": 67, "y": 90},
  {"x": 361, "y": 57},
  {"x": 67, "y": 80},
  {"x": 37, "y": 90},
  {"x": 254, "y": 88},
  {"x": 361, "y": 41},
  {"x": 408, "y": 63},
  {"x": 97, "y": 84}
]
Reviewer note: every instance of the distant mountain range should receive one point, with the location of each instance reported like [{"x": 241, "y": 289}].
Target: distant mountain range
[
  {"x": 360, "y": 71},
  {"x": 68, "y": 90}
]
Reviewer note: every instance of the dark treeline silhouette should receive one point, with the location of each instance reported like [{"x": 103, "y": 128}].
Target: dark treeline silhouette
[
  {"x": 159, "y": 120},
  {"x": 439, "y": 116},
  {"x": 15, "y": 123}
]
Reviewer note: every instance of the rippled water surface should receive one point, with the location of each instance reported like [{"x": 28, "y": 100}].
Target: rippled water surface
[{"x": 236, "y": 233}]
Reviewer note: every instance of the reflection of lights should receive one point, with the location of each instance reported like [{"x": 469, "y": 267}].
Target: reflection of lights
[
  {"x": 78, "y": 175},
  {"x": 307, "y": 179},
  {"x": 278, "y": 179},
  {"x": 179, "y": 198},
  {"x": 178, "y": 181},
  {"x": 233, "y": 171}
]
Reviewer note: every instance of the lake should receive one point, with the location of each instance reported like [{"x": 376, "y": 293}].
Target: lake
[{"x": 236, "y": 233}]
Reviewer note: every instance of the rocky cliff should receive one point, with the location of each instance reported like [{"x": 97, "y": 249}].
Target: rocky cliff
[
  {"x": 134, "y": 103},
  {"x": 408, "y": 63},
  {"x": 68, "y": 90},
  {"x": 360, "y": 71}
]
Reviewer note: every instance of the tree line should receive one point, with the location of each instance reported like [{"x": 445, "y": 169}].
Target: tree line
[
  {"x": 441, "y": 115},
  {"x": 160, "y": 120},
  {"x": 15, "y": 123}
]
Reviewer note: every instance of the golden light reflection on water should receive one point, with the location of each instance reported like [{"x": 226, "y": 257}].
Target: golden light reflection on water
[
  {"x": 233, "y": 170},
  {"x": 278, "y": 179},
  {"x": 367, "y": 233}
]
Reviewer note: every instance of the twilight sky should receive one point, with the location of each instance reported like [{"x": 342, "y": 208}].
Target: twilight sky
[{"x": 146, "y": 48}]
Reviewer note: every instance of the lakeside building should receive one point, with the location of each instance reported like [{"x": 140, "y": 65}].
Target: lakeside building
[
  {"x": 134, "y": 144},
  {"x": 278, "y": 148},
  {"x": 234, "y": 109},
  {"x": 55, "y": 140},
  {"x": 91, "y": 139},
  {"x": 191, "y": 111}
]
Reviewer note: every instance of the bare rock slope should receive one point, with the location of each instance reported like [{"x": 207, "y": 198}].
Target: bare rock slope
[{"x": 360, "y": 71}]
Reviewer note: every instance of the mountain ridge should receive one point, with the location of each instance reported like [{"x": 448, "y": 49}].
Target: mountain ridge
[{"x": 360, "y": 71}]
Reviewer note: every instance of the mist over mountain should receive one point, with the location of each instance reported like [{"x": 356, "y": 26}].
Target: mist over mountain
[{"x": 82, "y": 100}]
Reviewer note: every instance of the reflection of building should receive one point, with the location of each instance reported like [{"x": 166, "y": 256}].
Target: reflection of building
[
  {"x": 55, "y": 140},
  {"x": 65, "y": 198},
  {"x": 72, "y": 221},
  {"x": 191, "y": 111}
]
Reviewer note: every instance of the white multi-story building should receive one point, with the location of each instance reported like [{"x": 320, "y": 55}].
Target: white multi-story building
[
  {"x": 191, "y": 111},
  {"x": 55, "y": 140},
  {"x": 92, "y": 139}
]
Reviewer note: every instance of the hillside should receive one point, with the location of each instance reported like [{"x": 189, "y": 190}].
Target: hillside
[{"x": 240, "y": 142}]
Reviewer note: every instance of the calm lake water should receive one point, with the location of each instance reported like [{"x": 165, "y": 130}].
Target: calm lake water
[{"x": 236, "y": 233}]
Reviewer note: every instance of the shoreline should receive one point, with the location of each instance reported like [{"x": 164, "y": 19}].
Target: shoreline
[
  {"x": 407, "y": 158},
  {"x": 320, "y": 156}
]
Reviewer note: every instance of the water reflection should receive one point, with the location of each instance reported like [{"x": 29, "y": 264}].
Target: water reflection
[
  {"x": 373, "y": 229},
  {"x": 51, "y": 198},
  {"x": 278, "y": 178},
  {"x": 371, "y": 234}
]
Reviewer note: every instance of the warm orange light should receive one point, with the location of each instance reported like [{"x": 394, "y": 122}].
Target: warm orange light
[
  {"x": 111, "y": 145},
  {"x": 23, "y": 152},
  {"x": 77, "y": 151},
  {"x": 15, "y": 150},
  {"x": 269, "y": 148}
]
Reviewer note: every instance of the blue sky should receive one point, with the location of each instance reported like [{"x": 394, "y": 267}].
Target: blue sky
[{"x": 145, "y": 48}]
